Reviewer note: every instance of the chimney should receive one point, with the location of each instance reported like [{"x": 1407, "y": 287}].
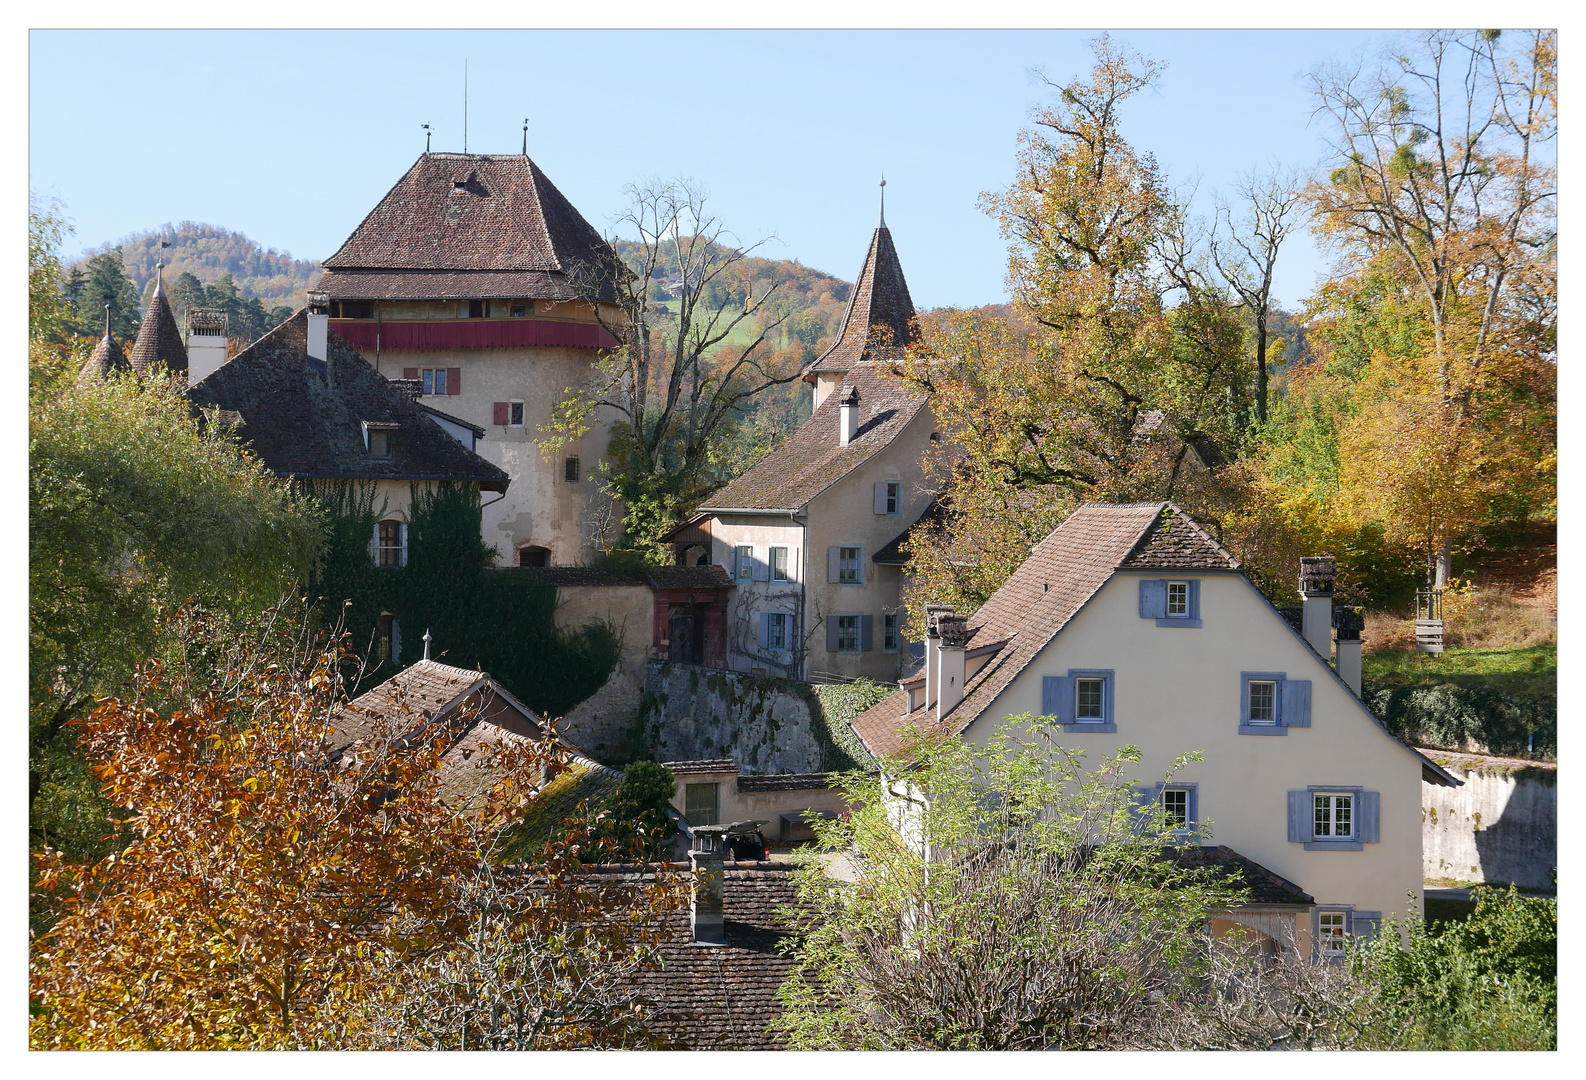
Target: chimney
[
  {"x": 933, "y": 651},
  {"x": 1349, "y": 624},
  {"x": 706, "y": 855},
  {"x": 318, "y": 326},
  {"x": 951, "y": 636},
  {"x": 206, "y": 343},
  {"x": 848, "y": 412},
  {"x": 1317, "y": 574}
]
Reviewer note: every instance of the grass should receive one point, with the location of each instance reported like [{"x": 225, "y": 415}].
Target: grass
[{"x": 1531, "y": 671}]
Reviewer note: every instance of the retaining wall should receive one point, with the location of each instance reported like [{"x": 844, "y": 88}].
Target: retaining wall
[{"x": 1501, "y": 826}]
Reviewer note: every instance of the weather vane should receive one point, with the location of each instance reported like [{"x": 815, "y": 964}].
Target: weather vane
[
  {"x": 426, "y": 128},
  {"x": 883, "y": 200},
  {"x": 525, "y": 136}
]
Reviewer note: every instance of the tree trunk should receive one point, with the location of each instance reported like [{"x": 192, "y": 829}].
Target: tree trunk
[
  {"x": 1445, "y": 561},
  {"x": 1261, "y": 367}
]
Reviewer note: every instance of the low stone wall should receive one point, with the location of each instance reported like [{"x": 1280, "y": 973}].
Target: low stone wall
[
  {"x": 765, "y": 724},
  {"x": 1501, "y": 826}
]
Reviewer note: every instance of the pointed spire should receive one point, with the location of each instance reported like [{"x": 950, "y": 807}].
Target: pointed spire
[
  {"x": 525, "y": 136},
  {"x": 883, "y": 200},
  {"x": 427, "y": 640},
  {"x": 880, "y": 313},
  {"x": 106, "y": 357},
  {"x": 158, "y": 338}
]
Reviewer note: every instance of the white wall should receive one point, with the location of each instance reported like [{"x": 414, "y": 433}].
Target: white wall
[{"x": 1178, "y": 689}]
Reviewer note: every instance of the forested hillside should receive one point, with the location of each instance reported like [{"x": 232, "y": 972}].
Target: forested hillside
[{"x": 208, "y": 252}]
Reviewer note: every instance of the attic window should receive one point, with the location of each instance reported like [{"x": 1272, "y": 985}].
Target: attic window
[{"x": 379, "y": 437}]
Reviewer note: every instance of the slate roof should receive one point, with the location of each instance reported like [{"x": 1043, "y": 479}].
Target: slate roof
[
  {"x": 1265, "y": 886},
  {"x": 1175, "y": 542},
  {"x": 308, "y": 423},
  {"x": 879, "y": 320},
  {"x": 158, "y": 338},
  {"x": 721, "y": 997},
  {"x": 106, "y": 357},
  {"x": 710, "y": 576},
  {"x": 809, "y": 460},
  {"x": 788, "y": 782},
  {"x": 706, "y": 765},
  {"x": 467, "y": 225}
]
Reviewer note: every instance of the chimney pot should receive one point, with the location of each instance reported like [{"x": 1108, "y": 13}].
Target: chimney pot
[
  {"x": 1349, "y": 624},
  {"x": 1318, "y": 573},
  {"x": 707, "y": 853}
]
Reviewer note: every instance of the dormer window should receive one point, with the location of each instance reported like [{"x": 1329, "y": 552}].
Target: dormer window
[{"x": 379, "y": 439}]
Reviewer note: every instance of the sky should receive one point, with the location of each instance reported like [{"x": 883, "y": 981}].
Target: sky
[{"x": 292, "y": 137}]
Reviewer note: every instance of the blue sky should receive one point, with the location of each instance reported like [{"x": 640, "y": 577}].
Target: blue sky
[{"x": 291, "y": 137}]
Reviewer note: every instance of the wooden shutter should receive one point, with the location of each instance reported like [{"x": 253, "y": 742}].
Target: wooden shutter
[
  {"x": 1296, "y": 702},
  {"x": 1143, "y": 798},
  {"x": 1367, "y": 815},
  {"x": 501, "y": 414},
  {"x": 374, "y": 545},
  {"x": 867, "y": 633},
  {"x": 410, "y": 373},
  {"x": 396, "y": 642},
  {"x": 831, "y": 633},
  {"x": 1364, "y": 924},
  {"x": 1194, "y": 598},
  {"x": 879, "y": 499},
  {"x": 1153, "y": 599},
  {"x": 833, "y": 562},
  {"x": 859, "y": 566},
  {"x": 402, "y": 536},
  {"x": 454, "y": 381},
  {"x": 1299, "y": 817},
  {"x": 761, "y": 568},
  {"x": 1057, "y": 698},
  {"x": 765, "y": 629}
]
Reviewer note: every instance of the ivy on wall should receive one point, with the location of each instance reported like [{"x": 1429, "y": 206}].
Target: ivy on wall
[{"x": 476, "y": 618}]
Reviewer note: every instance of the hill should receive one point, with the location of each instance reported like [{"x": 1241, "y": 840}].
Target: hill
[{"x": 208, "y": 252}]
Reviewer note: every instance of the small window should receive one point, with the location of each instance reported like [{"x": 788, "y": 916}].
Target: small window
[
  {"x": 776, "y": 631},
  {"x": 1330, "y": 929},
  {"x": 743, "y": 562},
  {"x": 1263, "y": 702},
  {"x": 519, "y": 310},
  {"x": 476, "y": 309},
  {"x": 385, "y": 639},
  {"x": 848, "y": 566},
  {"x": 699, "y": 803},
  {"x": 534, "y": 556},
  {"x": 571, "y": 471},
  {"x": 380, "y": 444},
  {"x": 889, "y": 632},
  {"x": 894, "y": 497},
  {"x": 1178, "y": 605},
  {"x": 779, "y": 564},
  {"x": 1175, "y": 805},
  {"x": 848, "y": 633},
  {"x": 434, "y": 380},
  {"x": 515, "y": 414},
  {"x": 1334, "y": 816},
  {"x": 392, "y": 544},
  {"x": 1090, "y": 704}
]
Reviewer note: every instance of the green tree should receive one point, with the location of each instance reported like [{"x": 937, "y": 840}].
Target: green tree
[
  {"x": 106, "y": 283},
  {"x": 1007, "y": 898},
  {"x": 638, "y": 815}
]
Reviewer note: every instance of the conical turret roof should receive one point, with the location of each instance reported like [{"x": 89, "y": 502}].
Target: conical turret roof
[
  {"x": 106, "y": 357},
  {"x": 158, "y": 337},
  {"x": 880, "y": 316}
]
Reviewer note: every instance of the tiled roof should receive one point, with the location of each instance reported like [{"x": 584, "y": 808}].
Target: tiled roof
[
  {"x": 446, "y": 285},
  {"x": 707, "y": 765},
  {"x": 1265, "y": 886},
  {"x": 722, "y": 997},
  {"x": 303, "y": 422},
  {"x": 788, "y": 782},
  {"x": 158, "y": 338},
  {"x": 879, "y": 320},
  {"x": 478, "y": 431},
  {"x": 1175, "y": 542},
  {"x": 106, "y": 357},
  {"x": 471, "y": 212},
  {"x": 710, "y": 576},
  {"x": 1037, "y": 601},
  {"x": 809, "y": 461}
]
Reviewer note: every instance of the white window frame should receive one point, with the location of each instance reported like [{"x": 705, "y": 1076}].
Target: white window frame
[
  {"x": 1329, "y": 945},
  {"x": 514, "y": 409},
  {"x": 1272, "y": 715},
  {"x": 843, "y": 567},
  {"x": 858, "y": 638},
  {"x": 894, "y": 498},
  {"x": 787, "y": 570},
  {"x": 1335, "y": 803},
  {"x": 400, "y": 547},
  {"x": 1180, "y": 793},
  {"x": 1183, "y": 603},
  {"x": 1101, "y": 699},
  {"x": 743, "y": 557}
]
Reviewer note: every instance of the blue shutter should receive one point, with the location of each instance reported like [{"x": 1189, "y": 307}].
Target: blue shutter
[
  {"x": 735, "y": 562},
  {"x": 1367, "y": 815},
  {"x": 1153, "y": 599},
  {"x": 866, "y": 633},
  {"x": 833, "y": 561},
  {"x": 1194, "y": 804},
  {"x": 1057, "y": 698},
  {"x": 761, "y": 568},
  {"x": 1296, "y": 703},
  {"x": 859, "y": 570},
  {"x": 831, "y": 633},
  {"x": 879, "y": 497},
  {"x": 374, "y": 546},
  {"x": 765, "y": 629},
  {"x": 1145, "y": 797},
  {"x": 1364, "y": 924},
  {"x": 1195, "y": 599},
  {"x": 1299, "y": 817},
  {"x": 402, "y": 557},
  {"x": 396, "y": 642}
]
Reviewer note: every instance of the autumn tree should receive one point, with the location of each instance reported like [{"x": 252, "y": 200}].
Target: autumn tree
[
  {"x": 686, "y": 369},
  {"x": 1442, "y": 177}
]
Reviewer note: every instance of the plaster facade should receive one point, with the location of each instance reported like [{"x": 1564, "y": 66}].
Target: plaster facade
[{"x": 1178, "y": 689}]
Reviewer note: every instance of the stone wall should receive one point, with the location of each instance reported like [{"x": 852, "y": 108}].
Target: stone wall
[
  {"x": 603, "y": 725},
  {"x": 767, "y": 725},
  {"x": 1501, "y": 826}
]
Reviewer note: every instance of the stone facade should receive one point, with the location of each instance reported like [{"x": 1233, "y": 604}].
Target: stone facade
[{"x": 1500, "y": 827}]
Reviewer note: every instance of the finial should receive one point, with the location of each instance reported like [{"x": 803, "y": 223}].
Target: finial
[
  {"x": 426, "y": 128},
  {"x": 525, "y": 136},
  {"x": 107, "y": 322},
  {"x": 427, "y": 643},
  {"x": 883, "y": 200}
]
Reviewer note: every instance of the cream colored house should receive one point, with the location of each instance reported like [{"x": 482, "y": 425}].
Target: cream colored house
[
  {"x": 1131, "y": 625},
  {"x": 469, "y": 280},
  {"x": 799, "y": 531}
]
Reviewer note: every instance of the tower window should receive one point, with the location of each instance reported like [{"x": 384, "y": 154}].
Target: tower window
[
  {"x": 534, "y": 556},
  {"x": 572, "y": 470}
]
